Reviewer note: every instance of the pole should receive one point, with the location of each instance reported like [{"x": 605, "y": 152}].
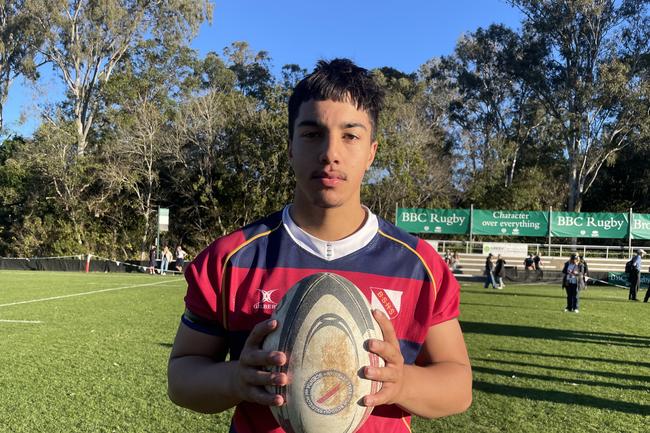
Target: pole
[
  {"x": 629, "y": 235},
  {"x": 158, "y": 234},
  {"x": 550, "y": 222},
  {"x": 471, "y": 228}
]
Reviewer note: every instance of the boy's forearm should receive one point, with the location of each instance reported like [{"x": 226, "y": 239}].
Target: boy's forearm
[
  {"x": 437, "y": 390},
  {"x": 201, "y": 384}
]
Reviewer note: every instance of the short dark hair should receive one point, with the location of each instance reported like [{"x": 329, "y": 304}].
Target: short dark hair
[{"x": 338, "y": 80}]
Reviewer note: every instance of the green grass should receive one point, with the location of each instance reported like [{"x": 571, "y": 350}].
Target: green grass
[{"x": 97, "y": 362}]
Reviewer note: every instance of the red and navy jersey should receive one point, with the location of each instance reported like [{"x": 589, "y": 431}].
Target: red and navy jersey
[{"x": 240, "y": 278}]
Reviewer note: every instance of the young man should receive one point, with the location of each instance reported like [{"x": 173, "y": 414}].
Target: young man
[
  {"x": 235, "y": 284},
  {"x": 635, "y": 275}
]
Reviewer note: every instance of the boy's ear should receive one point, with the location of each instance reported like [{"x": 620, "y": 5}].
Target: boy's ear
[{"x": 373, "y": 152}]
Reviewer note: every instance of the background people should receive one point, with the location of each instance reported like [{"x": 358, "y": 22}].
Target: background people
[
  {"x": 635, "y": 275},
  {"x": 489, "y": 272},
  {"x": 500, "y": 271},
  {"x": 166, "y": 258}
]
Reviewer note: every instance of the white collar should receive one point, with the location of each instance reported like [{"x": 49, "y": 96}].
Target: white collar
[{"x": 331, "y": 250}]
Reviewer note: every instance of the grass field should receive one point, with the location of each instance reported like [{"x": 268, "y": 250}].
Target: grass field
[{"x": 88, "y": 353}]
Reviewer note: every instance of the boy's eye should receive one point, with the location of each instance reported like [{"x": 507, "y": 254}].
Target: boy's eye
[{"x": 350, "y": 137}]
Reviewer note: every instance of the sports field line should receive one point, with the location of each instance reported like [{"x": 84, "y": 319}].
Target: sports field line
[
  {"x": 19, "y": 321},
  {"x": 52, "y": 298}
]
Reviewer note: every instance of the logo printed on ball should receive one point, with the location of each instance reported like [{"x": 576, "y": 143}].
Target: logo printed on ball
[{"x": 328, "y": 392}]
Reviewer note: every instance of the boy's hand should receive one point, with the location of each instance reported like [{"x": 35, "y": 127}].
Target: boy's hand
[
  {"x": 251, "y": 376},
  {"x": 392, "y": 373}
]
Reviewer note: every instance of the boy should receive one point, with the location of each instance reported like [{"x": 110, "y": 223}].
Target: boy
[{"x": 234, "y": 285}]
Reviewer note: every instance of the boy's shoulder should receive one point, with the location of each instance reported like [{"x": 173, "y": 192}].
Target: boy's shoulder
[{"x": 230, "y": 242}]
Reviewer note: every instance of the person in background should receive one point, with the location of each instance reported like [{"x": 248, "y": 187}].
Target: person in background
[
  {"x": 585, "y": 271},
  {"x": 180, "y": 258},
  {"x": 635, "y": 275},
  {"x": 537, "y": 262},
  {"x": 529, "y": 263},
  {"x": 152, "y": 260},
  {"x": 489, "y": 272},
  {"x": 166, "y": 258},
  {"x": 500, "y": 271},
  {"x": 574, "y": 277},
  {"x": 455, "y": 260}
]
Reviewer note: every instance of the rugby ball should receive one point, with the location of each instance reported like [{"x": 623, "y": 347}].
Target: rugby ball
[{"x": 324, "y": 322}]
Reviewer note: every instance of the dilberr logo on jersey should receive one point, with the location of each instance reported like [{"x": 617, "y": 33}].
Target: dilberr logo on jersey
[
  {"x": 386, "y": 300},
  {"x": 265, "y": 302}
]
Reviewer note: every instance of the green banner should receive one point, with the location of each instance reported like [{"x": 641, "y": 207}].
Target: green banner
[
  {"x": 439, "y": 221},
  {"x": 509, "y": 222},
  {"x": 621, "y": 279},
  {"x": 589, "y": 225},
  {"x": 640, "y": 226}
]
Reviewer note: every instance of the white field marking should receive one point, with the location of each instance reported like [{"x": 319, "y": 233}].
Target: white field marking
[
  {"x": 19, "y": 321},
  {"x": 85, "y": 293}
]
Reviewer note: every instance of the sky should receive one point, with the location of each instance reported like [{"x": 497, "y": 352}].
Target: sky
[{"x": 402, "y": 34}]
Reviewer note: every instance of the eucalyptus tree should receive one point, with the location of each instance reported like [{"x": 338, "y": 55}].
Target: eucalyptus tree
[
  {"x": 19, "y": 38},
  {"x": 86, "y": 39},
  {"x": 583, "y": 61}
]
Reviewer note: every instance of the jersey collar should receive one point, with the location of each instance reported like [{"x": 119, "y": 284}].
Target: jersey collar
[{"x": 331, "y": 250}]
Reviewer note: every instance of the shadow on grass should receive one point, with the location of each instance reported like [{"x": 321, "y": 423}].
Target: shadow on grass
[
  {"x": 621, "y": 376},
  {"x": 546, "y": 378},
  {"x": 582, "y": 358},
  {"x": 168, "y": 345},
  {"x": 561, "y": 397},
  {"x": 557, "y": 293},
  {"x": 555, "y": 334}
]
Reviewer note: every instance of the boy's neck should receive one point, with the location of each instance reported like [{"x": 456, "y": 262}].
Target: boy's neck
[{"x": 329, "y": 224}]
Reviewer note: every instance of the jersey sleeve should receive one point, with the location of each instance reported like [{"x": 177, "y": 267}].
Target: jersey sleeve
[
  {"x": 447, "y": 299},
  {"x": 204, "y": 303}
]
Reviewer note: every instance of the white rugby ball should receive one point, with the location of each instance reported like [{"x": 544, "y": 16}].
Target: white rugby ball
[{"x": 324, "y": 322}]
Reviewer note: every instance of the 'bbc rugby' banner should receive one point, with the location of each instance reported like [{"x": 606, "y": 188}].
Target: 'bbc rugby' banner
[
  {"x": 439, "y": 221},
  {"x": 510, "y": 223},
  {"x": 589, "y": 225},
  {"x": 640, "y": 226}
]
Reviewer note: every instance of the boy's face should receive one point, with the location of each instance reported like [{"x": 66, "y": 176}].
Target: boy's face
[{"x": 330, "y": 151}]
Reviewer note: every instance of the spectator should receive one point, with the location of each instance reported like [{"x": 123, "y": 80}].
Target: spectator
[
  {"x": 166, "y": 258},
  {"x": 574, "y": 282},
  {"x": 529, "y": 263},
  {"x": 180, "y": 258},
  {"x": 489, "y": 272},
  {"x": 152, "y": 260},
  {"x": 500, "y": 271},
  {"x": 455, "y": 260},
  {"x": 635, "y": 275},
  {"x": 537, "y": 262}
]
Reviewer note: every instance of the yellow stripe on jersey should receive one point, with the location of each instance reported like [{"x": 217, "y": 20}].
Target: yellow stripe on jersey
[
  {"x": 224, "y": 297},
  {"x": 404, "y": 244}
]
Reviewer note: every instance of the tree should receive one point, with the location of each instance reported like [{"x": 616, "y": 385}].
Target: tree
[
  {"x": 85, "y": 40},
  {"x": 19, "y": 39},
  {"x": 582, "y": 59},
  {"x": 412, "y": 165}
]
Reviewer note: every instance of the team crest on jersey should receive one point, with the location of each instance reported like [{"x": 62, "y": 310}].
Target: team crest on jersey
[
  {"x": 388, "y": 301},
  {"x": 266, "y": 301}
]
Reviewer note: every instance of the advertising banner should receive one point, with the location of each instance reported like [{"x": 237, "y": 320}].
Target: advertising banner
[
  {"x": 589, "y": 225},
  {"x": 163, "y": 219},
  {"x": 640, "y": 226},
  {"x": 511, "y": 223},
  {"x": 505, "y": 249},
  {"x": 621, "y": 279},
  {"x": 438, "y": 221}
]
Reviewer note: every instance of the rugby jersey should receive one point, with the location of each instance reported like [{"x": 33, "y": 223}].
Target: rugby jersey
[{"x": 239, "y": 279}]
